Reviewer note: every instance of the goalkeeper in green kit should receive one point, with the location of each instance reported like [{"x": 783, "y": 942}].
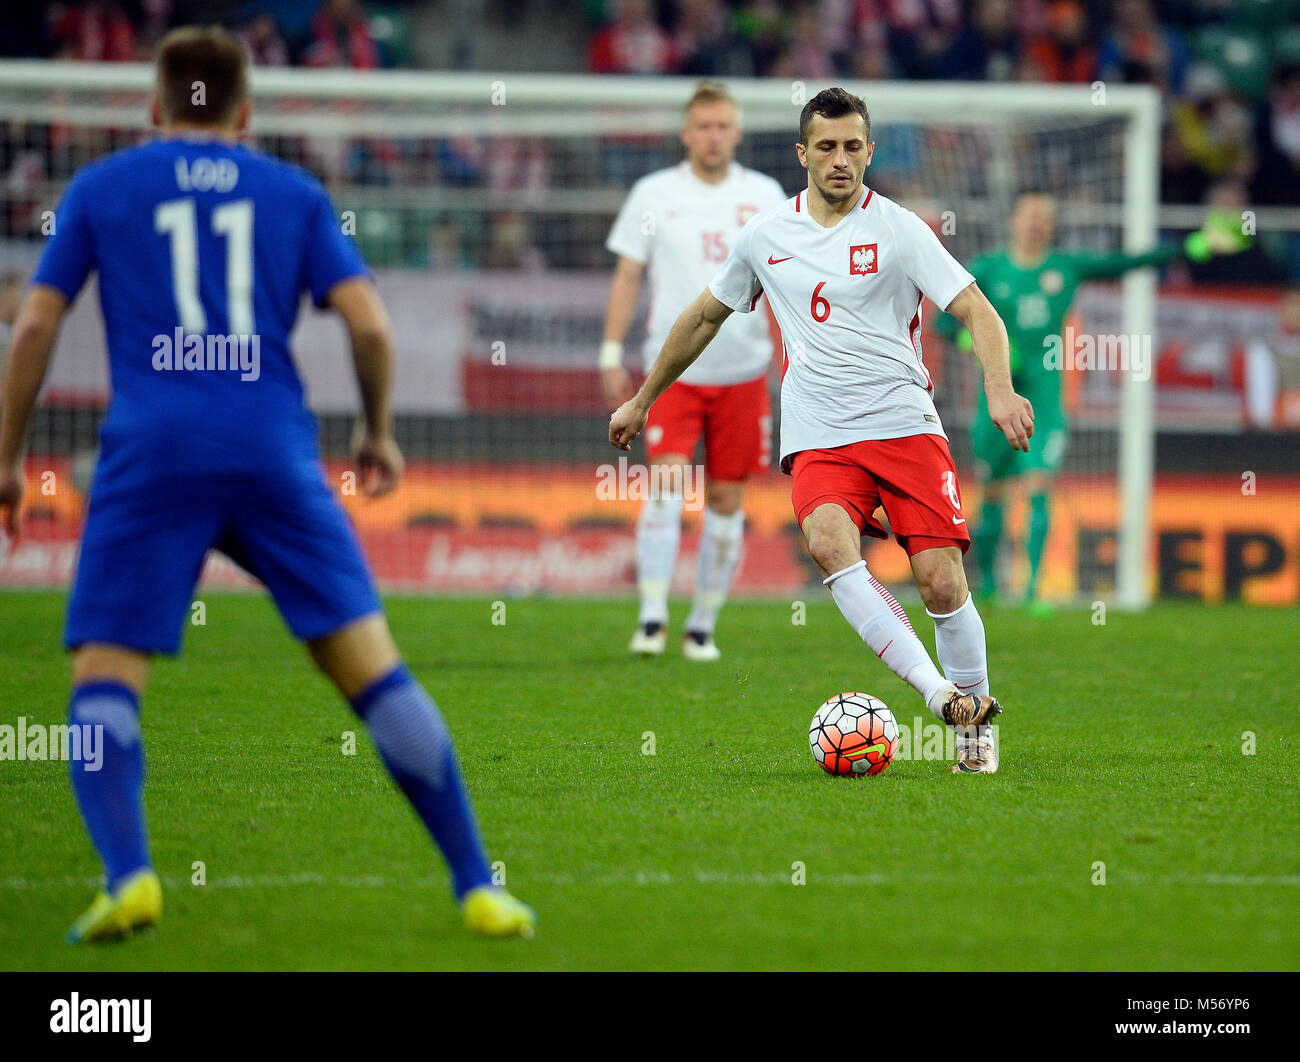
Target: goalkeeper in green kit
[{"x": 1031, "y": 285}]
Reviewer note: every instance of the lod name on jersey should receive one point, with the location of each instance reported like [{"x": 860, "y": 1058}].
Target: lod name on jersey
[{"x": 206, "y": 175}]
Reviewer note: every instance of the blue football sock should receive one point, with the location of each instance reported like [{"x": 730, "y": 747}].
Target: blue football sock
[
  {"x": 108, "y": 779},
  {"x": 412, "y": 739}
]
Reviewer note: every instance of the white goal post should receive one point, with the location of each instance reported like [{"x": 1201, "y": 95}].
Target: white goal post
[{"x": 977, "y": 144}]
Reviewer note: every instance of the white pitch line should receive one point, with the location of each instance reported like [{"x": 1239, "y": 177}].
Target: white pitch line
[{"x": 660, "y": 878}]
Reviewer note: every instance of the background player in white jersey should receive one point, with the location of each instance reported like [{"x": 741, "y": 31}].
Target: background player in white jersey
[
  {"x": 846, "y": 271},
  {"x": 680, "y": 224}
]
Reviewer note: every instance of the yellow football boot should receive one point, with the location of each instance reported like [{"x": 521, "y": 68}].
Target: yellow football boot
[
  {"x": 135, "y": 904},
  {"x": 493, "y": 912}
]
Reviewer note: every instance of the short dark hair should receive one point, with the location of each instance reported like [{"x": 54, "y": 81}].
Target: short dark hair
[
  {"x": 202, "y": 75},
  {"x": 832, "y": 103}
]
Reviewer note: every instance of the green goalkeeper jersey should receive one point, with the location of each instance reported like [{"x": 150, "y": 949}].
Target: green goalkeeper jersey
[{"x": 1033, "y": 302}]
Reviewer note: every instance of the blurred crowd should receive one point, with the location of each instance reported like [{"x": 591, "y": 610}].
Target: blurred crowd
[
  {"x": 1229, "y": 70},
  {"x": 277, "y": 32}
]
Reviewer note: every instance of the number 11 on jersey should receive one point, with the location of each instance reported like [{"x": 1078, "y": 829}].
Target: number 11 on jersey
[{"x": 234, "y": 220}]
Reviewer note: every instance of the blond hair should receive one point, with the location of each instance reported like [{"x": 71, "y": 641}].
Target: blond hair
[{"x": 711, "y": 92}]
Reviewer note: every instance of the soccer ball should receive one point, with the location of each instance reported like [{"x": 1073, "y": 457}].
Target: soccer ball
[{"x": 853, "y": 733}]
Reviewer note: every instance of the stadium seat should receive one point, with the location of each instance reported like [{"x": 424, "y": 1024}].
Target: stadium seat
[
  {"x": 1268, "y": 14},
  {"x": 1208, "y": 41},
  {"x": 1286, "y": 46},
  {"x": 392, "y": 32},
  {"x": 394, "y": 234},
  {"x": 1240, "y": 55}
]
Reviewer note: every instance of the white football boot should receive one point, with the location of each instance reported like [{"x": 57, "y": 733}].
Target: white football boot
[
  {"x": 697, "y": 646},
  {"x": 976, "y": 755},
  {"x": 649, "y": 639}
]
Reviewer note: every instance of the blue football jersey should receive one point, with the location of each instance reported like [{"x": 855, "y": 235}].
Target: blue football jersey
[{"x": 203, "y": 251}]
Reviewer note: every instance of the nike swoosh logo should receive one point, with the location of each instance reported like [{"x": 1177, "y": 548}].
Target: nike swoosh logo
[
  {"x": 778, "y": 261},
  {"x": 970, "y": 687},
  {"x": 858, "y": 754},
  {"x": 961, "y": 521}
]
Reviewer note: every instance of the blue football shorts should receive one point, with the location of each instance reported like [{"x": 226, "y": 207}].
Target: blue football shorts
[{"x": 144, "y": 544}]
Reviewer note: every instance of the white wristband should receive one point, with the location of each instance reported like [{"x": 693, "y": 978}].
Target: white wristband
[{"x": 611, "y": 354}]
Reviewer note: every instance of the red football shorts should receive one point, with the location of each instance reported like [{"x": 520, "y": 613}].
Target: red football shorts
[
  {"x": 913, "y": 479},
  {"x": 735, "y": 420}
]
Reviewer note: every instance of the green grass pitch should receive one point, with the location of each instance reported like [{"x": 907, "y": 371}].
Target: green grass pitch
[{"x": 1122, "y": 744}]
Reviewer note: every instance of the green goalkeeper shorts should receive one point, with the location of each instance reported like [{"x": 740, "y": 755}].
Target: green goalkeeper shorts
[{"x": 995, "y": 459}]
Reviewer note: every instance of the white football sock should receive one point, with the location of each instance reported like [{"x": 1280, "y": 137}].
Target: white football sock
[
  {"x": 959, "y": 643},
  {"x": 720, "y": 543},
  {"x": 963, "y": 654},
  {"x": 881, "y": 622},
  {"x": 658, "y": 532}
]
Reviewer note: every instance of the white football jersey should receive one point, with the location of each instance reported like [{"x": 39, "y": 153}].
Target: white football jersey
[
  {"x": 848, "y": 300},
  {"x": 684, "y": 229}
]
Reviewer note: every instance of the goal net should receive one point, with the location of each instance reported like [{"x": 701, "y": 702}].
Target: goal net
[{"x": 482, "y": 206}]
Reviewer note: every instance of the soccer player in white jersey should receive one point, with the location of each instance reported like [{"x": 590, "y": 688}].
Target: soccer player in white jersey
[
  {"x": 846, "y": 271},
  {"x": 679, "y": 224}
]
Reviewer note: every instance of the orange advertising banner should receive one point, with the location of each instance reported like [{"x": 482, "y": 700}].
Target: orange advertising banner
[{"x": 479, "y": 527}]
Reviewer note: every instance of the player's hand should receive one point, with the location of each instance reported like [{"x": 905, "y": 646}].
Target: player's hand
[
  {"x": 1014, "y": 415},
  {"x": 1222, "y": 233},
  {"x": 627, "y": 422},
  {"x": 379, "y": 464},
  {"x": 11, "y": 499},
  {"x": 1226, "y": 238},
  {"x": 617, "y": 383}
]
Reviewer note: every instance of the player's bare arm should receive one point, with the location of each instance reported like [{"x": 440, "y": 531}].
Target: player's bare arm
[
  {"x": 623, "y": 294},
  {"x": 35, "y": 330},
  {"x": 377, "y": 458},
  {"x": 694, "y": 330},
  {"x": 1008, "y": 410}
]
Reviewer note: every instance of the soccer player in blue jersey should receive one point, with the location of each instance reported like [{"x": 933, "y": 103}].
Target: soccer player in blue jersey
[{"x": 203, "y": 249}]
